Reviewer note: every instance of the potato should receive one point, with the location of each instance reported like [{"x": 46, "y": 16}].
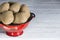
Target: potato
[
  {"x": 22, "y": 16},
  {"x": 15, "y": 7},
  {"x": 4, "y": 7},
  {"x": 25, "y": 8},
  {"x": 0, "y": 17},
  {"x": 7, "y": 17}
]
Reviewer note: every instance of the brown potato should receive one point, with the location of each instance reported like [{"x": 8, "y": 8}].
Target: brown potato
[
  {"x": 0, "y": 17},
  {"x": 7, "y": 17},
  {"x": 25, "y": 8},
  {"x": 15, "y": 7},
  {"x": 23, "y": 15},
  {"x": 20, "y": 18},
  {"x": 4, "y": 7}
]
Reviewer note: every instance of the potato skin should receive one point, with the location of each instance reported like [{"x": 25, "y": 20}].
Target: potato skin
[
  {"x": 22, "y": 13},
  {"x": 0, "y": 17},
  {"x": 7, "y": 17},
  {"x": 15, "y": 7},
  {"x": 4, "y": 7},
  {"x": 24, "y": 8},
  {"x": 22, "y": 16}
]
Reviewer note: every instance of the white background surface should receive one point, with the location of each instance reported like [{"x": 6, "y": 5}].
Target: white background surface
[{"x": 46, "y": 24}]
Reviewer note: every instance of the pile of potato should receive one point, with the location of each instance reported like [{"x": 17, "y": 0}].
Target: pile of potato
[{"x": 14, "y": 12}]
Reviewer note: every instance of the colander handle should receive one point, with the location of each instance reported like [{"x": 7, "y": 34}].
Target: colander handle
[{"x": 33, "y": 15}]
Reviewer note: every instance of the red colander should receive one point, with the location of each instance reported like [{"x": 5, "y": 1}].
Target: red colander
[{"x": 16, "y": 29}]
